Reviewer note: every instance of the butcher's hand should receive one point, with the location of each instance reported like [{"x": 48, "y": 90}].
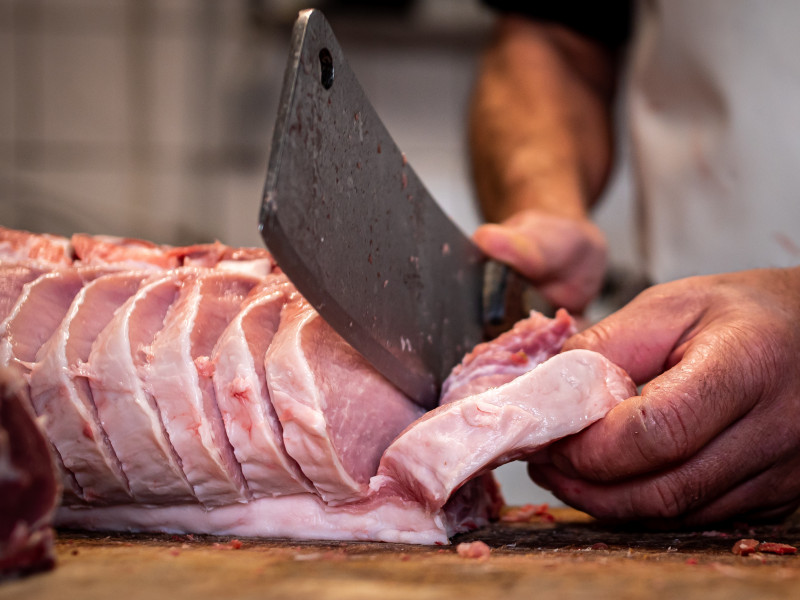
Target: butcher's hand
[
  {"x": 715, "y": 434},
  {"x": 564, "y": 257}
]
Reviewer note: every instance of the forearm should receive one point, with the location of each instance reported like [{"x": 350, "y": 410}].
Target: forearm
[{"x": 540, "y": 125}]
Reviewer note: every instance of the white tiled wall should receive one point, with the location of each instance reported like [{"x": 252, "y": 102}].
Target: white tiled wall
[{"x": 153, "y": 118}]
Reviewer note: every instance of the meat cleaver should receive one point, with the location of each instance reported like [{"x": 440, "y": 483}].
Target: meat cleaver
[{"x": 354, "y": 228}]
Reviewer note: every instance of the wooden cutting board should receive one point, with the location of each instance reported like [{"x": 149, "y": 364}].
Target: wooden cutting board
[{"x": 572, "y": 557}]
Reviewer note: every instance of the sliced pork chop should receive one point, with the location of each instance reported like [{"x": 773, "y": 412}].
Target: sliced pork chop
[
  {"x": 338, "y": 414},
  {"x": 130, "y": 416},
  {"x": 37, "y": 313},
  {"x": 457, "y": 441},
  {"x": 250, "y": 421},
  {"x": 61, "y": 395},
  {"x": 179, "y": 378},
  {"x": 13, "y": 277},
  {"x": 529, "y": 343}
]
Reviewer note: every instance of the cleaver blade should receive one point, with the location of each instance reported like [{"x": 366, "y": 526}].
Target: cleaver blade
[{"x": 354, "y": 228}]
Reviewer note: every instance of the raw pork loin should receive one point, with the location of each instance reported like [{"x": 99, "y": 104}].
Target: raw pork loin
[{"x": 194, "y": 390}]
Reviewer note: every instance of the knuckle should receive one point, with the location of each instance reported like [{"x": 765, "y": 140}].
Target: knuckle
[
  {"x": 669, "y": 497},
  {"x": 667, "y": 429},
  {"x": 594, "y": 338}
]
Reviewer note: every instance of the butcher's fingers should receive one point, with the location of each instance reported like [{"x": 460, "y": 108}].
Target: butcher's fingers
[
  {"x": 642, "y": 336},
  {"x": 771, "y": 495},
  {"x": 565, "y": 257},
  {"x": 748, "y": 467},
  {"x": 677, "y": 414}
]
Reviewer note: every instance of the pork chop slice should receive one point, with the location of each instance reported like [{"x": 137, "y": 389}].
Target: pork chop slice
[
  {"x": 115, "y": 368},
  {"x": 36, "y": 314},
  {"x": 178, "y": 376},
  {"x": 13, "y": 277},
  {"x": 240, "y": 384},
  {"x": 62, "y": 395},
  {"x": 34, "y": 318},
  {"x": 529, "y": 343},
  {"x": 338, "y": 414},
  {"x": 457, "y": 441}
]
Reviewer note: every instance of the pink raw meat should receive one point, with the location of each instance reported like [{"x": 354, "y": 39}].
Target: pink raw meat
[
  {"x": 529, "y": 343},
  {"x": 19, "y": 246},
  {"x": 122, "y": 252},
  {"x": 37, "y": 313},
  {"x": 233, "y": 408},
  {"x": 338, "y": 414},
  {"x": 457, "y": 441},
  {"x": 129, "y": 414},
  {"x": 178, "y": 376},
  {"x": 63, "y": 396},
  {"x": 241, "y": 391},
  {"x": 13, "y": 277},
  {"x": 304, "y": 516},
  {"x": 255, "y": 261}
]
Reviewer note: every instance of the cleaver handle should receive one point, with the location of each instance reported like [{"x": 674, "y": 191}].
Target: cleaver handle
[{"x": 507, "y": 298}]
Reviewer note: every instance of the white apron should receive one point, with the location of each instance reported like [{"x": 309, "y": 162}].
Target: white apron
[{"x": 715, "y": 124}]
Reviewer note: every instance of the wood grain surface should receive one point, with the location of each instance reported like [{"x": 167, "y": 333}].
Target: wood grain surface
[{"x": 572, "y": 557}]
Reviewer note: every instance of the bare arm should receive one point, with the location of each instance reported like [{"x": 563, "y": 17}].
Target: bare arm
[
  {"x": 540, "y": 128},
  {"x": 540, "y": 136}
]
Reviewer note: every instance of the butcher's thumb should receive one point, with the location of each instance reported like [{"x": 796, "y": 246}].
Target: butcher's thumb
[{"x": 636, "y": 338}]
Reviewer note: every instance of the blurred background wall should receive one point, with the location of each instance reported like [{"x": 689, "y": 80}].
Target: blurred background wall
[{"x": 153, "y": 118}]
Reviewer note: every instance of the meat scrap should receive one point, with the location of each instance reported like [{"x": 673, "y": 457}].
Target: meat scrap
[
  {"x": 477, "y": 549},
  {"x": 776, "y": 548},
  {"x": 745, "y": 547},
  {"x": 194, "y": 390}
]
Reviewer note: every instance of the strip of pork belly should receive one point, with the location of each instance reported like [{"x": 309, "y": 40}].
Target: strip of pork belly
[
  {"x": 63, "y": 396},
  {"x": 13, "y": 277},
  {"x": 529, "y": 343},
  {"x": 240, "y": 384},
  {"x": 178, "y": 376},
  {"x": 457, "y": 441},
  {"x": 115, "y": 368},
  {"x": 43, "y": 248},
  {"x": 338, "y": 414}
]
